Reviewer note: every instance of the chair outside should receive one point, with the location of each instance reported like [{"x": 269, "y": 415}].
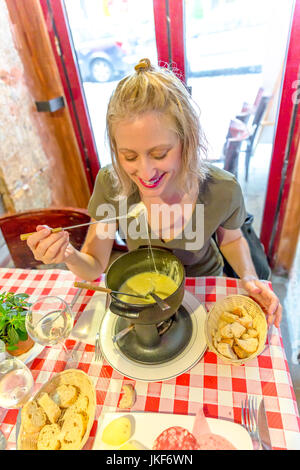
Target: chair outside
[
  {"x": 23, "y": 222},
  {"x": 237, "y": 134},
  {"x": 254, "y": 128}
]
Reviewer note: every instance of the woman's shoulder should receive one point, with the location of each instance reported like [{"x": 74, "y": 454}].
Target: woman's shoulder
[
  {"x": 218, "y": 175},
  {"x": 106, "y": 182},
  {"x": 105, "y": 174},
  {"x": 220, "y": 186}
]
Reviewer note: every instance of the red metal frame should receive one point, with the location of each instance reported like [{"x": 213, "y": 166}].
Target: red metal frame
[
  {"x": 161, "y": 33},
  {"x": 173, "y": 52},
  {"x": 271, "y": 219},
  {"x": 178, "y": 36},
  {"x": 54, "y": 11}
]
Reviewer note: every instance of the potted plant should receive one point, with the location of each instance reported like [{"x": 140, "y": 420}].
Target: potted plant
[{"x": 13, "y": 308}]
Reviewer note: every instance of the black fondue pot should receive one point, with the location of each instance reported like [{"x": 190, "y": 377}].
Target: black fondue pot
[{"x": 140, "y": 261}]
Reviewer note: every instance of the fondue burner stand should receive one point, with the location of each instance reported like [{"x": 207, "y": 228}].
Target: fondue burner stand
[{"x": 155, "y": 343}]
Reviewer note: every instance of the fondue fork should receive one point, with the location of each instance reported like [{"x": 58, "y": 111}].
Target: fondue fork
[
  {"x": 91, "y": 286},
  {"x": 135, "y": 212},
  {"x": 86, "y": 285}
]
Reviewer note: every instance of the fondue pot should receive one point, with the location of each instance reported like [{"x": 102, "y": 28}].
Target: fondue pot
[
  {"x": 154, "y": 336},
  {"x": 140, "y": 261}
]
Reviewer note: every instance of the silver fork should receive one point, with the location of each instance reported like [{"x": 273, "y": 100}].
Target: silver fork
[
  {"x": 249, "y": 418},
  {"x": 98, "y": 352}
]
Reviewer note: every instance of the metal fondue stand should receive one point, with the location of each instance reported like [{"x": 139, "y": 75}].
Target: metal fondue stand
[{"x": 157, "y": 336}]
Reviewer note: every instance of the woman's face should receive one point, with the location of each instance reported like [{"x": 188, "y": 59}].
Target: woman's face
[{"x": 149, "y": 151}]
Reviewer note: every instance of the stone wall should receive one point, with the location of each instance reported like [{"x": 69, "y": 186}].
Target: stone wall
[{"x": 24, "y": 167}]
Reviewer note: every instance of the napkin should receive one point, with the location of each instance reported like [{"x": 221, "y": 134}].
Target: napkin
[{"x": 88, "y": 323}]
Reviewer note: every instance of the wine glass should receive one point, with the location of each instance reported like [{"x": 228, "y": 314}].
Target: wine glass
[
  {"x": 16, "y": 384},
  {"x": 49, "y": 321}
]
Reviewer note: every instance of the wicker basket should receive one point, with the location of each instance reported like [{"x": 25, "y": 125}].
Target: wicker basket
[{"x": 228, "y": 304}]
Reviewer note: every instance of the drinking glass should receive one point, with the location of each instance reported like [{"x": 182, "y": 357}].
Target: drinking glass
[
  {"x": 16, "y": 384},
  {"x": 49, "y": 321}
]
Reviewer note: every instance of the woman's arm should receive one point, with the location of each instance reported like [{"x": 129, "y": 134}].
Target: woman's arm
[
  {"x": 88, "y": 263},
  {"x": 93, "y": 258},
  {"x": 235, "y": 249}
]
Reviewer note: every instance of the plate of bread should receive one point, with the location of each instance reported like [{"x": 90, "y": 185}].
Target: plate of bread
[
  {"x": 236, "y": 329},
  {"x": 60, "y": 416}
]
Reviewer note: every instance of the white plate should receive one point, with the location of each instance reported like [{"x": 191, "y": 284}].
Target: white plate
[
  {"x": 147, "y": 426},
  {"x": 157, "y": 372},
  {"x": 31, "y": 354}
]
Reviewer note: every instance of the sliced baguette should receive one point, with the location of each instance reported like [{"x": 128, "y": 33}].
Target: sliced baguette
[{"x": 248, "y": 345}]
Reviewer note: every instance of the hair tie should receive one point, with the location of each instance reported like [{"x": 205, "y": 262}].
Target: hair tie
[{"x": 143, "y": 66}]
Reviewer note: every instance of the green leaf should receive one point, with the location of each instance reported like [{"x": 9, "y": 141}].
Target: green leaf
[
  {"x": 23, "y": 335},
  {"x": 13, "y": 309},
  {"x": 12, "y": 335},
  {"x": 22, "y": 326},
  {"x": 11, "y": 347}
]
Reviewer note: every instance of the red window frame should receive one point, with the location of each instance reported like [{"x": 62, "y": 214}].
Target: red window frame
[
  {"x": 285, "y": 145},
  {"x": 61, "y": 41}
]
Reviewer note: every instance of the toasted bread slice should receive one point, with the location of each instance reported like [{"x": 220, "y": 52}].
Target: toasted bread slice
[
  {"x": 248, "y": 345},
  {"x": 245, "y": 335},
  {"x": 252, "y": 332},
  {"x": 226, "y": 350},
  {"x": 229, "y": 317},
  {"x": 65, "y": 395},
  {"x": 240, "y": 311},
  {"x": 239, "y": 352},
  {"x": 226, "y": 331},
  {"x": 228, "y": 341},
  {"x": 237, "y": 329},
  {"x": 49, "y": 438},
  {"x": 246, "y": 321},
  {"x": 51, "y": 409},
  {"x": 73, "y": 428},
  {"x": 34, "y": 417},
  {"x": 129, "y": 397}
]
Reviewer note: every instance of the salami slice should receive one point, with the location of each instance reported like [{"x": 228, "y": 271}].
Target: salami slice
[
  {"x": 212, "y": 441},
  {"x": 175, "y": 438}
]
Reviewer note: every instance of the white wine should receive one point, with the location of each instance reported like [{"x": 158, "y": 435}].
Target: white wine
[
  {"x": 52, "y": 328},
  {"x": 16, "y": 383}
]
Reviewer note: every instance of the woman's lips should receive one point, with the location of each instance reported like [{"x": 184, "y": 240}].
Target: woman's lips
[{"x": 153, "y": 183}]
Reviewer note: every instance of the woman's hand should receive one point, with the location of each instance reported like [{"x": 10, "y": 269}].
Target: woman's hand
[
  {"x": 48, "y": 247},
  {"x": 265, "y": 297}
]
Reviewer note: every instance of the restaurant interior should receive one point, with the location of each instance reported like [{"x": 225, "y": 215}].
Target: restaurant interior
[{"x": 60, "y": 60}]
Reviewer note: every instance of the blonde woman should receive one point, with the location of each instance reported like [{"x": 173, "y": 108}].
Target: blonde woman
[{"x": 158, "y": 158}]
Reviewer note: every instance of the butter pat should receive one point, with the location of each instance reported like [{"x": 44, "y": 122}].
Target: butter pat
[{"x": 117, "y": 432}]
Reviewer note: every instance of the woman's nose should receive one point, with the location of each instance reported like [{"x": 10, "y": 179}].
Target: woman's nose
[{"x": 146, "y": 169}]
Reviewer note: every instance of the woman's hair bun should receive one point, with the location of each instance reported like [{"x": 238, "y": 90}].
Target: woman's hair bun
[{"x": 144, "y": 65}]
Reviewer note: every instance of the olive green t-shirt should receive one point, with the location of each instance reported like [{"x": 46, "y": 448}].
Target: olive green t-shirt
[{"x": 220, "y": 203}]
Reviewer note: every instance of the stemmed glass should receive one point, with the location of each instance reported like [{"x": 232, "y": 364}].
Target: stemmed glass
[
  {"x": 16, "y": 384},
  {"x": 49, "y": 321}
]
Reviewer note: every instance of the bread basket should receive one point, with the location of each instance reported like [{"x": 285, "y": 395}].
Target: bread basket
[
  {"x": 85, "y": 386},
  {"x": 228, "y": 304}
]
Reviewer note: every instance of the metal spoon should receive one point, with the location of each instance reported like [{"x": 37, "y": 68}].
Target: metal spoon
[{"x": 160, "y": 302}]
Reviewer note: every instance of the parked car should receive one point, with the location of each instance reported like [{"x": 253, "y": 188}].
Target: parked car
[
  {"x": 226, "y": 40},
  {"x": 103, "y": 59}
]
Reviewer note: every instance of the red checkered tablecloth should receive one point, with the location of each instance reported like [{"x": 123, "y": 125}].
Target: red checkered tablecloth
[{"x": 216, "y": 386}]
